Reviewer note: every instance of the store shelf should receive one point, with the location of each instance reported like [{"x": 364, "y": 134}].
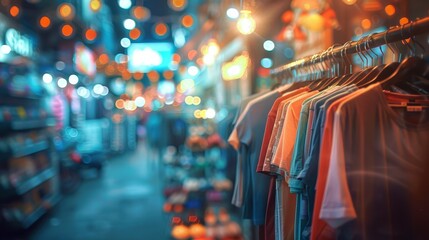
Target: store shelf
[
  {"x": 8, "y": 192},
  {"x": 35, "y": 181},
  {"x": 32, "y": 124},
  {"x": 30, "y": 149},
  {"x": 38, "y": 213}
]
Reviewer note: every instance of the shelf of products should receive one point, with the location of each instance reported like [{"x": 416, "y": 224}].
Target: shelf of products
[
  {"x": 198, "y": 195},
  {"x": 34, "y": 204},
  {"x": 29, "y": 173}
]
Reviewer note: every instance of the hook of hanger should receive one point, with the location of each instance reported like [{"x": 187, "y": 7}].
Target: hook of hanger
[
  {"x": 387, "y": 43},
  {"x": 415, "y": 42},
  {"x": 358, "y": 51},
  {"x": 369, "y": 40},
  {"x": 404, "y": 41}
]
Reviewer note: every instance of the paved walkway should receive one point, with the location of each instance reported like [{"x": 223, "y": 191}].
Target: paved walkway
[{"x": 124, "y": 203}]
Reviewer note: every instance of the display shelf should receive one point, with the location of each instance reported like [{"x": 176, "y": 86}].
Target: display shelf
[
  {"x": 27, "y": 185},
  {"x": 35, "y": 181},
  {"x": 30, "y": 149},
  {"x": 27, "y": 221}
]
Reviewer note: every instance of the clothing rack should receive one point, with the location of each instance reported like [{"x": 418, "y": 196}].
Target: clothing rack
[{"x": 391, "y": 35}]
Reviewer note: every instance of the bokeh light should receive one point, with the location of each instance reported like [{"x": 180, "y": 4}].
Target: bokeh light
[
  {"x": 135, "y": 33},
  {"x": 161, "y": 29},
  {"x": 90, "y": 34},
  {"x": 66, "y": 11},
  {"x": 67, "y": 30},
  {"x": 14, "y": 11},
  {"x": 45, "y": 22},
  {"x": 403, "y": 21},
  {"x": 187, "y": 21},
  {"x": 390, "y": 10},
  {"x": 366, "y": 24}
]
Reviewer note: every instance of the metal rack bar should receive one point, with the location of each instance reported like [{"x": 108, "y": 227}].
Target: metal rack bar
[{"x": 394, "y": 34}]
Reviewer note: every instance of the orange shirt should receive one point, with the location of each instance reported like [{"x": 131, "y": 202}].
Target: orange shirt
[{"x": 283, "y": 155}]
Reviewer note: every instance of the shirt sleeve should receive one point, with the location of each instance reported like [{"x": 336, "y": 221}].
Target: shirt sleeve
[{"x": 337, "y": 205}]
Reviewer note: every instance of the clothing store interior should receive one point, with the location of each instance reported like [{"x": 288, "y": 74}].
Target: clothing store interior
[{"x": 214, "y": 119}]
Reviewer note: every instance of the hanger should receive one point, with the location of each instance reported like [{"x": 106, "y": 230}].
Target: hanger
[
  {"x": 387, "y": 70},
  {"x": 374, "y": 70}
]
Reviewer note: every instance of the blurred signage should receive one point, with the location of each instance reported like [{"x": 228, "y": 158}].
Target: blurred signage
[
  {"x": 19, "y": 43},
  {"x": 145, "y": 57},
  {"x": 84, "y": 60}
]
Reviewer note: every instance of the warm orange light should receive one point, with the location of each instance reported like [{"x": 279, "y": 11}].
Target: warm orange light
[
  {"x": 138, "y": 75},
  {"x": 95, "y": 5},
  {"x": 177, "y": 5},
  {"x": 192, "y": 54},
  {"x": 110, "y": 69},
  {"x": 390, "y": 9},
  {"x": 141, "y": 13},
  {"x": 366, "y": 23},
  {"x": 187, "y": 21},
  {"x": 153, "y": 76},
  {"x": 176, "y": 58},
  {"x": 403, "y": 21},
  {"x": 103, "y": 59},
  {"x": 349, "y": 2},
  {"x": 119, "y": 104},
  {"x": 90, "y": 34},
  {"x": 161, "y": 29},
  {"x": 45, "y": 22},
  {"x": 14, "y": 11},
  {"x": 168, "y": 74},
  {"x": 67, "y": 30},
  {"x": 66, "y": 11},
  {"x": 135, "y": 33},
  {"x": 126, "y": 75}
]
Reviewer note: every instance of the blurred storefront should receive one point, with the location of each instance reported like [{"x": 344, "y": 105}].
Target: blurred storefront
[{"x": 161, "y": 119}]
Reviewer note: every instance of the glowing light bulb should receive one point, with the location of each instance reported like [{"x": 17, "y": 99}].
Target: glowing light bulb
[{"x": 246, "y": 24}]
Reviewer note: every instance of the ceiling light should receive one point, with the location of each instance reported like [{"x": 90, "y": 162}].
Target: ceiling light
[
  {"x": 47, "y": 78},
  {"x": 129, "y": 24},
  {"x": 232, "y": 13},
  {"x": 124, "y": 4},
  {"x": 246, "y": 24},
  {"x": 193, "y": 70},
  {"x": 5, "y": 49},
  {"x": 125, "y": 42},
  {"x": 73, "y": 79},
  {"x": 269, "y": 45},
  {"x": 62, "y": 83}
]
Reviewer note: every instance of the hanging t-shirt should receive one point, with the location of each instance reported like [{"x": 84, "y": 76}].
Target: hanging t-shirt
[
  {"x": 250, "y": 130},
  {"x": 376, "y": 179}
]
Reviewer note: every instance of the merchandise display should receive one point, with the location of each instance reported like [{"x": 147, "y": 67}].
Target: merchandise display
[
  {"x": 28, "y": 170},
  {"x": 332, "y": 147}
]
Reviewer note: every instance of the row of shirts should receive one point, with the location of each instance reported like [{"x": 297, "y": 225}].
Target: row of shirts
[{"x": 339, "y": 163}]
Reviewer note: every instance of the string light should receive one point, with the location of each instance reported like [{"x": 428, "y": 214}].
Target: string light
[
  {"x": 90, "y": 34},
  {"x": 177, "y": 5},
  {"x": 135, "y": 33},
  {"x": 246, "y": 24},
  {"x": 67, "y": 30},
  {"x": 141, "y": 13},
  {"x": 366, "y": 23},
  {"x": 45, "y": 22},
  {"x": 161, "y": 29},
  {"x": 66, "y": 11},
  {"x": 95, "y": 5},
  {"x": 14, "y": 11},
  {"x": 187, "y": 21},
  {"x": 403, "y": 21},
  {"x": 390, "y": 10}
]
